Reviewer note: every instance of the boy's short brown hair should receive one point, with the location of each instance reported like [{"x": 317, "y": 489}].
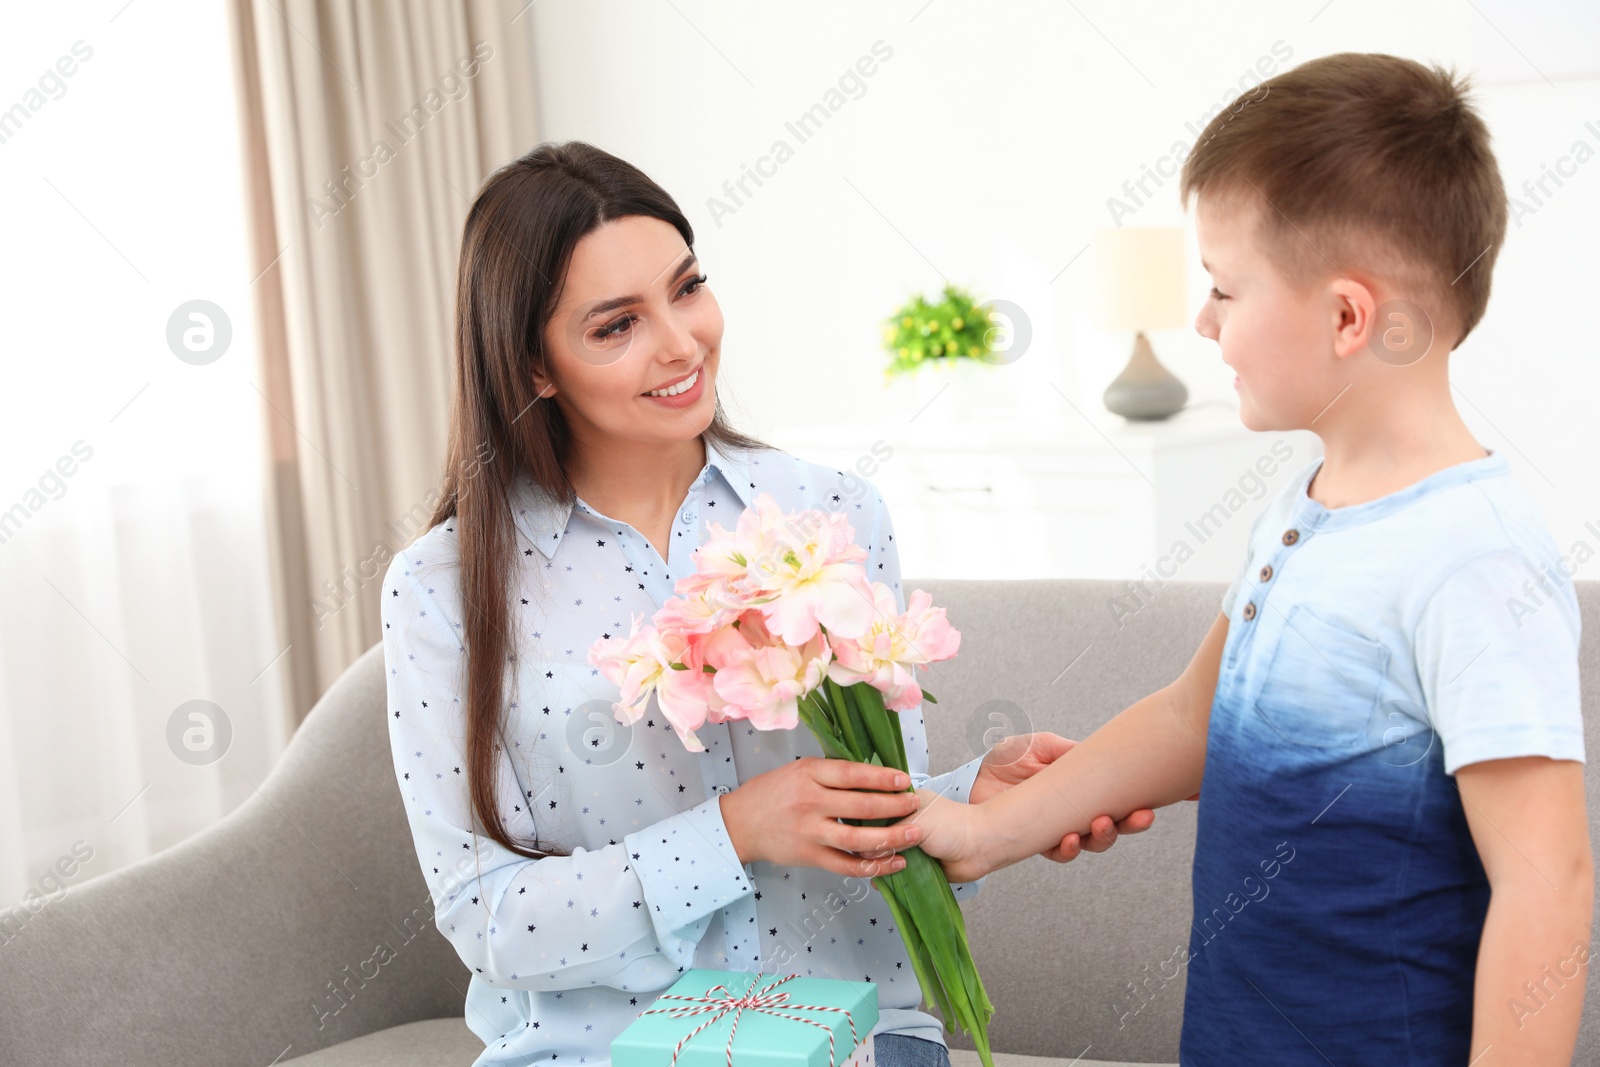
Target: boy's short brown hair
[{"x": 1368, "y": 162}]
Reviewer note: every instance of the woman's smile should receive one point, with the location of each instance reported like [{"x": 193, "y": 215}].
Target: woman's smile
[{"x": 682, "y": 392}]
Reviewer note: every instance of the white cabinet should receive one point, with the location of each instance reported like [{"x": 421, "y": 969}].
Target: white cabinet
[{"x": 1072, "y": 498}]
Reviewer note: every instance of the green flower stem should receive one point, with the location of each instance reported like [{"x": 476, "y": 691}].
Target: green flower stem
[
  {"x": 921, "y": 962},
  {"x": 899, "y": 739},
  {"x": 851, "y": 722},
  {"x": 850, "y": 726},
  {"x": 876, "y": 717},
  {"x": 818, "y": 719},
  {"x": 930, "y": 923}
]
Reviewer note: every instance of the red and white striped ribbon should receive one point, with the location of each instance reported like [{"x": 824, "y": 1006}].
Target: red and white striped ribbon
[{"x": 762, "y": 1000}]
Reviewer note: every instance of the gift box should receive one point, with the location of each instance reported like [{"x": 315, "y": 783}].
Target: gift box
[{"x": 738, "y": 1019}]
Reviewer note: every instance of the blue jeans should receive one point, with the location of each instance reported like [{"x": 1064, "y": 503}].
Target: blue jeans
[{"x": 902, "y": 1050}]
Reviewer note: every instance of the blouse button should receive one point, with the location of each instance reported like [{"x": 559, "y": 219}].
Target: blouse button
[
  {"x": 1291, "y": 536},
  {"x": 1250, "y": 611},
  {"x": 1266, "y": 573},
  {"x": 687, "y": 517}
]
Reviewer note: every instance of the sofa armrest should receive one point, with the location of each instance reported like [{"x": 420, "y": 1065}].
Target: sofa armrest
[{"x": 298, "y": 921}]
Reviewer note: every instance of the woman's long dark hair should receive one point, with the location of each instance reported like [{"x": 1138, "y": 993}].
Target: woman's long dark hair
[{"x": 515, "y": 247}]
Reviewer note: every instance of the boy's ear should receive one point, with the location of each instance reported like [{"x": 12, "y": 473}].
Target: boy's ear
[{"x": 1354, "y": 315}]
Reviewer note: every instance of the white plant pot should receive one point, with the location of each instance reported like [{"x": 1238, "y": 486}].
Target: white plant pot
[{"x": 966, "y": 390}]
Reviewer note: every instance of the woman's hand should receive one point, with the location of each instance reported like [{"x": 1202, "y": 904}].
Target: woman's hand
[
  {"x": 1018, "y": 758},
  {"x": 789, "y": 816}
]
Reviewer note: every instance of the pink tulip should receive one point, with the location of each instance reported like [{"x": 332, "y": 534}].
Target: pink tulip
[
  {"x": 697, "y": 614},
  {"x": 643, "y": 665},
  {"x": 808, "y": 574},
  {"x": 773, "y": 606},
  {"x": 763, "y": 684},
  {"x": 886, "y": 657},
  {"x": 722, "y": 562},
  {"x": 719, "y": 648}
]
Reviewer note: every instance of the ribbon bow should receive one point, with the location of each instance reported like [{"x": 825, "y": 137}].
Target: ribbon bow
[{"x": 762, "y": 1000}]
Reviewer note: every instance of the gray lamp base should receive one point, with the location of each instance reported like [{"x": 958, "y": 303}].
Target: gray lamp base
[{"x": 1145, "y": 389}]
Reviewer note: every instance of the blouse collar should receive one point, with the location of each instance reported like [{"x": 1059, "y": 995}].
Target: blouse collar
[{"x": 542, "y": 519}]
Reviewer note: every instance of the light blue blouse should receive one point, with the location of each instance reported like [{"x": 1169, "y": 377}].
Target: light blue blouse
[{"x": 566, "y": 951}]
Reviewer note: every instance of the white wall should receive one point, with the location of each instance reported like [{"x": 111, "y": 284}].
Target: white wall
[{"x": 985, "y": 148}]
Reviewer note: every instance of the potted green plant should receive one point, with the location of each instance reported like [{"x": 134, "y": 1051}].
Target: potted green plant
[
  {"x": 955, "y": 329},
  {"x": 964, "y": 340}
]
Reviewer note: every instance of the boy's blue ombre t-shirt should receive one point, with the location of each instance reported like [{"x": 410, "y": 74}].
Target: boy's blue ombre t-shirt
[{"x": 1372, "y": 650}]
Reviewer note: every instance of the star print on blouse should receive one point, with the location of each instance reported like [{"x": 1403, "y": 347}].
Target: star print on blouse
[{"x": 652, "y": 885}]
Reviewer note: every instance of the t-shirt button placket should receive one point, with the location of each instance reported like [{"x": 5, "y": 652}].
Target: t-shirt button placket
[{"x": 1290, "y": 537}]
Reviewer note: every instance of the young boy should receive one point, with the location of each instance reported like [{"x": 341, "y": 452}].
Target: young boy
[{"x": 1392, "y": 862}]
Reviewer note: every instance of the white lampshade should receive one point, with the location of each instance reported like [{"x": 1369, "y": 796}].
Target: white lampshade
[{"x": 1139, "y": 281}]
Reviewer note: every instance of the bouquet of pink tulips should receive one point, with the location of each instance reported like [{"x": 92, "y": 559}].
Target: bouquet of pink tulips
[{"x": 779, "y": 625}]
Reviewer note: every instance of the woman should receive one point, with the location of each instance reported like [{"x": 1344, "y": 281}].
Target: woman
[{"x": 578, "y": 867}]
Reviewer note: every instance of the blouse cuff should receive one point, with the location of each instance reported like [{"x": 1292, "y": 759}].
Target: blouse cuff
[
  {"x": 956, "y": 784},
  {"x": 689, "y": 870}
]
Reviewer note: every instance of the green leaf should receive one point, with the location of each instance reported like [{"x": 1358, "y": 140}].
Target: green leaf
[
  {"x": 899, "y": 741},
  {"x": 942, "y": 928},
  {"x": 858, "y": 722},
  {"x": 855, "y": 738},
  {"x": 851, "y": 723},
  {"x": 821, "y": 726},
  {"x": 875, "y": 716},
  {"x": 921, "y": 961},
  {"x": 898, "y": 893}
]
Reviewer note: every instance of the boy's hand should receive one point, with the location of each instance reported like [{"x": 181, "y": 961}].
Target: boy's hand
[
  {"x": 1017, "y": 758},
  {"x": 951, "y": 834}
]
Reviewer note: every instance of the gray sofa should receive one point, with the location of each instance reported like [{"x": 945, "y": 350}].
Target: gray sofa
[{"x": 226, "y": 950}]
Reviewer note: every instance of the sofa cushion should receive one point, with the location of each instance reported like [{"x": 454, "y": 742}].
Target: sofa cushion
[
  {"x": 429, "y": 1043},
  {"x": 1086, "y": 956},
  {"x": 440, "y": 1041},
  {"x": 961, "y": 1057}
]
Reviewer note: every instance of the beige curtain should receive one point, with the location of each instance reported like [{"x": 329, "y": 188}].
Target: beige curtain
[{"x": 369, "y": 126}]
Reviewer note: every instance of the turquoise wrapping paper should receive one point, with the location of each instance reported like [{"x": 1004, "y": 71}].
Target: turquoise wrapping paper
[{"x": 763, "y": 1036}]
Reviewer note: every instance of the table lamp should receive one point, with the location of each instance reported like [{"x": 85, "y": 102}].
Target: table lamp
[{"x": 1139, "y": 286}]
